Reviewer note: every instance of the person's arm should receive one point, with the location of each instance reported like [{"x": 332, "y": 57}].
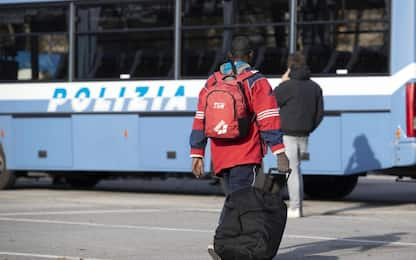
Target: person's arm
[
  {"x": 197, "y": 139},
  {"x": 281, "y": 94},
  {"x": 285, "y": 76},
  {"x": 279, "y": 91},
  {"x": 267, "y": 114},
  {"x": 319, "y": 108},
  {"x": 268, "y": 119}
]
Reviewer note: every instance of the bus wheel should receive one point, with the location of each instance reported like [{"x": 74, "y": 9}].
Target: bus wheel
[
  {"x": 329, "y": 187},
  {"x": 82, "y": 182},
  {"x": 7, "y": 178}
]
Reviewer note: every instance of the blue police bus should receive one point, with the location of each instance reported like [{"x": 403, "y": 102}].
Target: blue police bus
[{"x": 92, "y": 89}]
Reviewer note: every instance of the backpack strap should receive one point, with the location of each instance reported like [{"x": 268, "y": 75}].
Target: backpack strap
[
  {"x": 246, "y": 75},
  {"x": 218, "y": 76},
  {"x": 240, "y": 81}
]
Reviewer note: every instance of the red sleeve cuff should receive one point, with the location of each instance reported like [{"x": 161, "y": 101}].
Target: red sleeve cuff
[
  {"x": 278, "y": 148},
  {"x": 197, "y": 152}
]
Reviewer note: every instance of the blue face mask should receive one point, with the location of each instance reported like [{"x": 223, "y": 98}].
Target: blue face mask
[{"x": 228, "y": 67}]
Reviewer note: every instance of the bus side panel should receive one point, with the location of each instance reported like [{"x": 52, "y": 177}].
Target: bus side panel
[
  {"x": 366, "y": 141},
  {"x": 164, "y": 143},
  {"x": 6, "y": 140},
  {"x": 105, "y": 142},
  {"x": 405, "y": 154},
  {"x": 42, "y": 143},
  {"x": 324, "y": 149}
]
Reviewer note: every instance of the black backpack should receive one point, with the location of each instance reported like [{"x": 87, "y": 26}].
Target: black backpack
[{"x": 253, "y": 222}]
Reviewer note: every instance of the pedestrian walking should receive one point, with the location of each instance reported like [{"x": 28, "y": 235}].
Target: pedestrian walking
[{"x": 301, "y": 110}]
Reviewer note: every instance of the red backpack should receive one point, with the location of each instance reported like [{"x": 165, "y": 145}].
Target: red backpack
[{"x": 226, "y": 109}]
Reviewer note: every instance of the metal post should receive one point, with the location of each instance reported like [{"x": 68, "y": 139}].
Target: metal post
[
  {"x": 178, "y": 35},
  {"x": 228, "y": 13},
  {"x": 292, "y": 29},
  {"x": 71, "y": 38}
]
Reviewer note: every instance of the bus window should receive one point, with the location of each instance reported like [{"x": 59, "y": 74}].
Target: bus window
[
  {"x": 33, "y": 43},
  {"x": 208, "y": 27},
  {"x": 125, "y": 38},
  {"x": 344, "y": 35},
  {"x": 199, "y": 13},
  {"x": 201, "y": 51}
]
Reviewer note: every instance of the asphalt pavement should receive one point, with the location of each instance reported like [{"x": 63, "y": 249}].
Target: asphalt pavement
[{"x": 175, "y": 219}]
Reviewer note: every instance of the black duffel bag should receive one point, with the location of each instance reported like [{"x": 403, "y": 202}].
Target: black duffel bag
[{"x": 253, "y": 221}]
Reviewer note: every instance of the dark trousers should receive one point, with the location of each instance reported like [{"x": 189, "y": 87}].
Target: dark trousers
[{"x": 238, "y": 177}]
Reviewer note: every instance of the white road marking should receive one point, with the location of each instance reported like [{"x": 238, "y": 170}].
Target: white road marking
[
  {"x": 200, "y": 209},
  {"x": 355, "y": 213},
  {"x": 79, "y": 212},
  {"x": 92, "y": 224},
  {"x": 105, "y": 211},
  {"x": 154, "y": 228},
  {"x": 57, "y": 257}
]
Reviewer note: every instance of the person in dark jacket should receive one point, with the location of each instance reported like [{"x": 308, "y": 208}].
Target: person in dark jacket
[{"x": 301, "y": 111}]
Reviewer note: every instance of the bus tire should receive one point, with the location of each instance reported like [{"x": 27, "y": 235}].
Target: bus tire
[
  {"x": 7, "y": 178},
  {"x": 328, "y": 187},
  {"x": 82, "y": 182}
]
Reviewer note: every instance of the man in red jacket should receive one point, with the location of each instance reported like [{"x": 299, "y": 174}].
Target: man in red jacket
[{"x": 239, "y": 161}]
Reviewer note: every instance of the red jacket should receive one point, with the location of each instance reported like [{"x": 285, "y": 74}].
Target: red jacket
[{"x": 249, "y": 150}]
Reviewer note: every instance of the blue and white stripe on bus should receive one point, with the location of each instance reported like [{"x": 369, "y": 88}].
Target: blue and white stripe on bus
[{"x": 179, "y": 95}]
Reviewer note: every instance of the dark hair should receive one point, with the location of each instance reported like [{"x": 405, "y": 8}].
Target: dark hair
[
  {"x": 296, "y": 60},
  {"x": 240, "y": 47}
]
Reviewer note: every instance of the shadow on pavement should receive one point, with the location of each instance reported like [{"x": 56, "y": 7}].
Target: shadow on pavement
[
  {"x": 322, "y": 250},
  {"x": 135, "y": 185}
]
